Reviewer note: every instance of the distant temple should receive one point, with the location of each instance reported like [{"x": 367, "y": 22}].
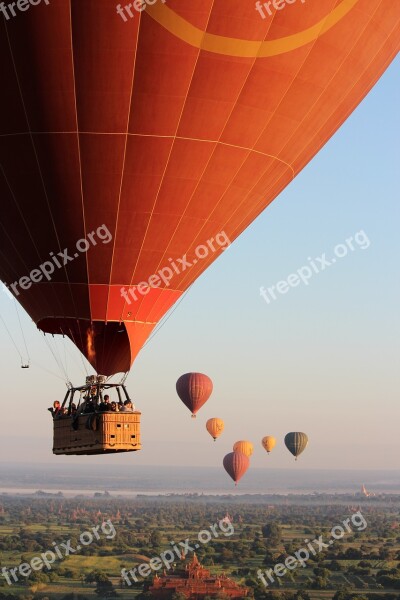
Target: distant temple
[
  {"x": 195, "y": 582},
  {"x": 365, "y": 493}
]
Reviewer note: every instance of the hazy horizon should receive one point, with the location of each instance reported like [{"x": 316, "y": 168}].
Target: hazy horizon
[{"x": 86, "y": 479}]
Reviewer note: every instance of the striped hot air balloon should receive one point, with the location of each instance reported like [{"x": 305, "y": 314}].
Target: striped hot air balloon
[
  {"x": 194, "y": 389},
  {"x": 236, "y": 465},
  {"x": 244, "y": 446},
  {"x": 296, "y": 442}
]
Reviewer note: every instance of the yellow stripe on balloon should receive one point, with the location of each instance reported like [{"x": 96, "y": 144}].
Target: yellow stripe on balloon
[{"x": 182, "y": 29}]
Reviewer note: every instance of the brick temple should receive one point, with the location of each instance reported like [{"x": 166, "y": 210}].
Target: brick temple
[{"x": 195, "y": 582}]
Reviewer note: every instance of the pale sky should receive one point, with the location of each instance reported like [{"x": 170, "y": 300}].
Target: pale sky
[{"x": 323, "y": 358}]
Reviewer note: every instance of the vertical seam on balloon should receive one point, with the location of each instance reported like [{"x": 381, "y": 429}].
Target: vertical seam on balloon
[
  {"x": 38, "y": 165},
  {"x": 213, "y": 153},
  {"x": 24, "y": 222},
  {"x": 13, "y": 196},
  {"x": 80, "y": 171},
  {"x": 243, "y": 203},
  {"x": 167, "y": 163},
  {"x": 175, "y": 137},
  {"x": 256, "y": 208},
  {"x": 122, "y": 178},
  {"x": 192, "y": 277}
]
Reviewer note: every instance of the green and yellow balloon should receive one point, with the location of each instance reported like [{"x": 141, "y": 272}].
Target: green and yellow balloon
[{"x": 296, "y": 442}]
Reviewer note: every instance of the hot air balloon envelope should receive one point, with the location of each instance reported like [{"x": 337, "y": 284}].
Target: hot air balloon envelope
[
  {"x": 296, "y": 442},
  {"x": 268, "y": 442},
  {"x": 133, "y": 151},
  {"x": 194, "y": 389},
  {"x": 215, "y": 427},
  {"x": 236, "y": 465},
  {"x": 244, "y": 446}
]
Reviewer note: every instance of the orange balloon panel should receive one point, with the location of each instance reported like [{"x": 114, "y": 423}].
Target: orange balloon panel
[
  {"x": 159, "y": 139},
  {"x": 244, "y": 446}
]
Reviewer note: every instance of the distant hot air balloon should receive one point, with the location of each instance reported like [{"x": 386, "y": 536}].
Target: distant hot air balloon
[
  {"x": 236, "y": 465},
  {"x": 132, "y": 153},
  {"x": 215, "y": 427},
  {"x": 296, "y": 442},
  {"x": 244, "y": 446},
  {"x": 268, "y": 442},
  {"x": 194, "y": 389}
]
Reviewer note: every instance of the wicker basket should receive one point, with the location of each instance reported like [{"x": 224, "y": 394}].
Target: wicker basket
[{"x": 98, "y": 433}]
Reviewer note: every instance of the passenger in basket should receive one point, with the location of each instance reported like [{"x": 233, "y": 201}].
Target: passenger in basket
[
  {"x": 105, "y": 405},
  {"x": 127, "y": 406},
  {"x": 114, "y": 407},
  {"x": 55, "y": 409},
  {"x": 89, "y": 406}
]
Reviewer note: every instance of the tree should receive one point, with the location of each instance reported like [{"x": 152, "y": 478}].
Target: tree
[
  {"x": 105, "y": 588},
  {"x": 272, "y": 533},
  {"x": 320, "y": 583},
  {"x": 155, "y": 538}
]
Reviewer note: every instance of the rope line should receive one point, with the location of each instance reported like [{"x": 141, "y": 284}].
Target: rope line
[
  {"x": 11, "y": 338},
  {"x": 22, "y": 331}
]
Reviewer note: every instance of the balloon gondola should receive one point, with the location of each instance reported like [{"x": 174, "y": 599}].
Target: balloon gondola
[{"x": 84, "y": 425}]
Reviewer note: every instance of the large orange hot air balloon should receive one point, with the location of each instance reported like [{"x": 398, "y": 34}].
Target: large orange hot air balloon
[
  {"x": 236, "y": 465},
  {"x": 134, "y": 149},
  {"x": 244, "y": 446},
  {"x": 215, "y": 427},
  {"x": 194, "y": 389}
]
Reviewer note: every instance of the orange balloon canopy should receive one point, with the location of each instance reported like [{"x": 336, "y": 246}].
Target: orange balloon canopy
[
  {"x": 244, "y": 446},
  {"x": 215, "y": 427},
  {"x": 268, "y": 442},
  {"x": 172, "y": 130}
]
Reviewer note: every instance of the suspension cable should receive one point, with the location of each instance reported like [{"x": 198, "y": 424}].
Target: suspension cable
[
  {"x": 12, "y": 339},
  {"x": 60, "y": 366},
  {"x": 22, "y": 331},
  {"x": 80, "y": 353},
  {"x": 167, "y": 316}
]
